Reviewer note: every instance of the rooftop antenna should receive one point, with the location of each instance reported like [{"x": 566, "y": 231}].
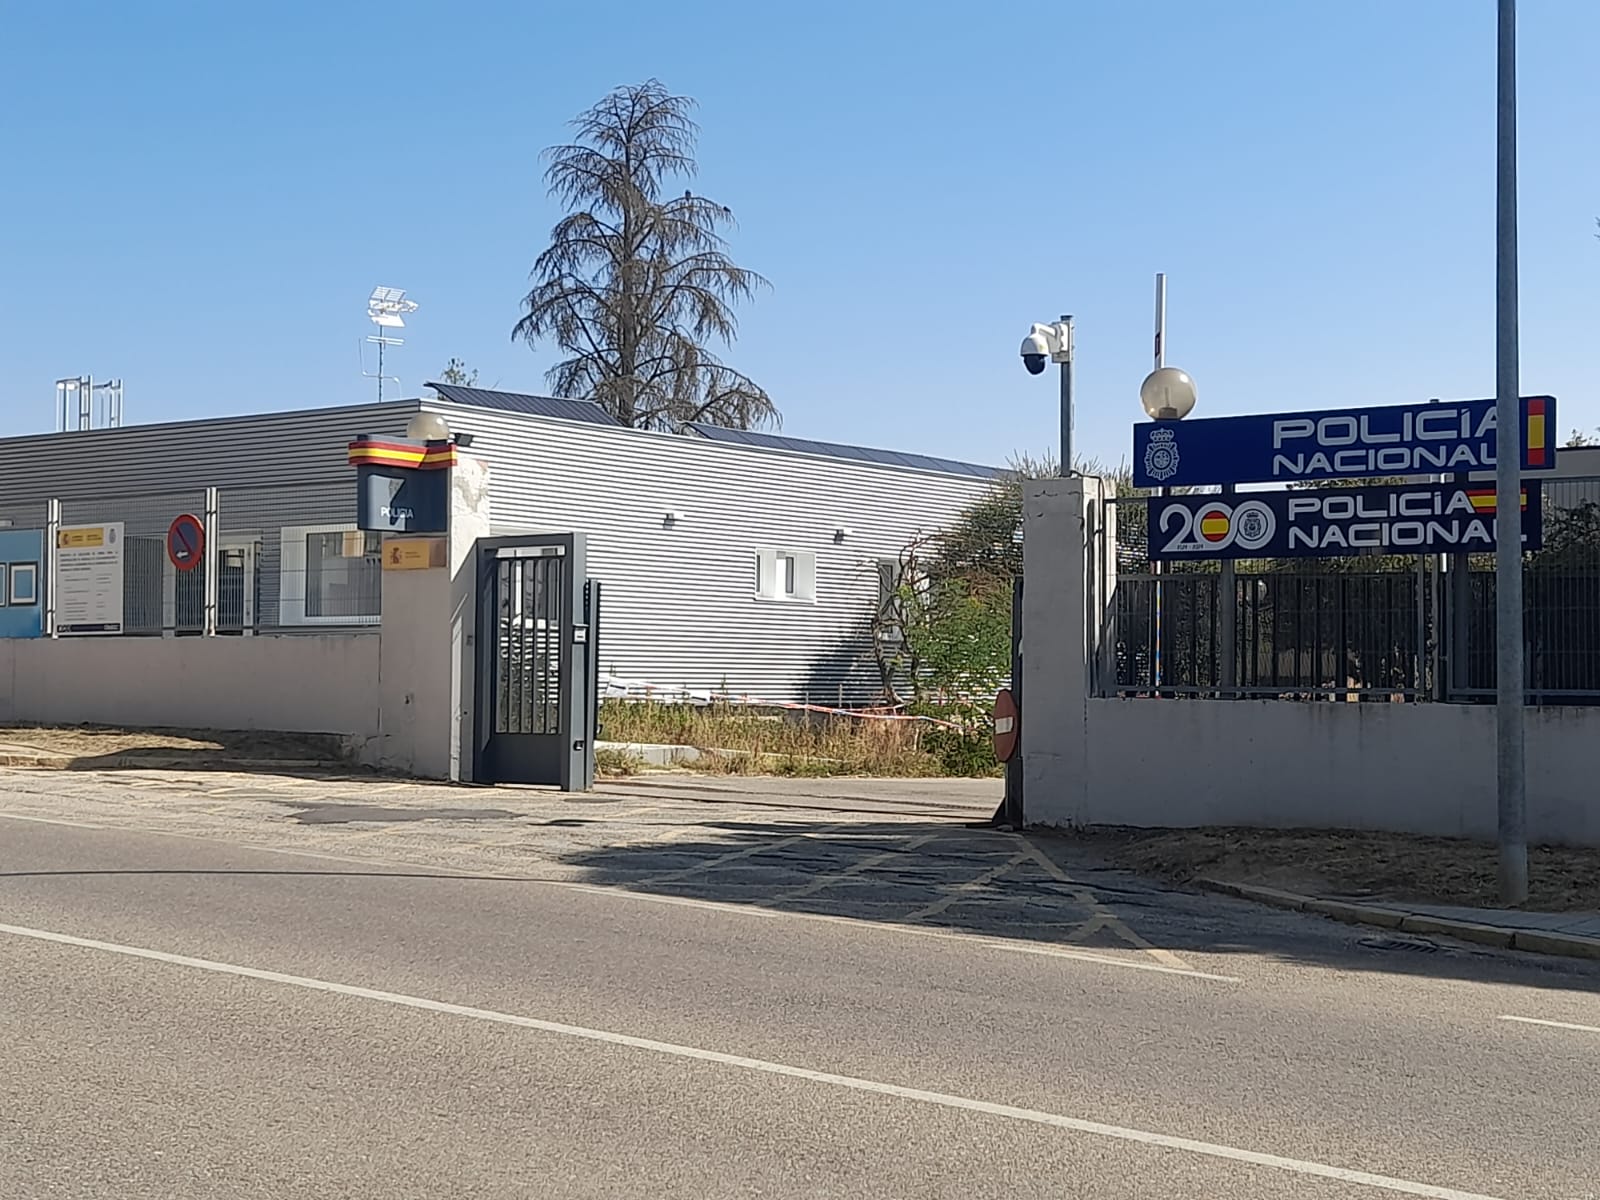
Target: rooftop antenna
[
  {"x": 75, "y": 400},
  {"x": 387, "y": 308}
]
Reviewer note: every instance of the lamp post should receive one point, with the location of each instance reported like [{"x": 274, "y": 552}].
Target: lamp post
[
  {"x": 1510, "y": 781},
  {"x": 1167, "y": 394}
]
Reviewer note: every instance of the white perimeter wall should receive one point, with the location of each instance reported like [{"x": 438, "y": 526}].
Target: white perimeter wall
[
  {"x": 296, "y": 684},
  {"x": 1417, "y": 768},
  {"x": 1412, "y": 768}
]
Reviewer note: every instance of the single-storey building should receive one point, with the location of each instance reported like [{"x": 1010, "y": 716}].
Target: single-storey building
[{"x": 731, "y": 561}]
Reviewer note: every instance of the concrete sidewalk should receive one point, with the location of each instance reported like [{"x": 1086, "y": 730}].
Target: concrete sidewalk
[{"x": 1576, "y": 934}]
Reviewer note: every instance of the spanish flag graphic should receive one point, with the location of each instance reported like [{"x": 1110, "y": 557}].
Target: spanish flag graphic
[
  {"x": 1536, "y": 452},
  {"x": 1483, "y": 500},
  {"x": 369, "y": 452},
  {"x": 1214, "y": 525}
]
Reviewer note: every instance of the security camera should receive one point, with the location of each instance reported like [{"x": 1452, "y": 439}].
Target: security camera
[
  {"x": 1035, "y": 355},
  {"x": 1045, "y": 344}
]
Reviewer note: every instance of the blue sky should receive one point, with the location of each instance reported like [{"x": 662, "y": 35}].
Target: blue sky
[{"x": 199, "y": 197}]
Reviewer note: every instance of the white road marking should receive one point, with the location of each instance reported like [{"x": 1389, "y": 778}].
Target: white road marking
[
  {"x": 1104, "y": 917},
  {"x": 59, "y": 821},
  {"x": 1038, "y": 949},
  {"x": 1553, "y": 1024},
  {"x": 735, "y": 855},
  {"x": 961, "y": 891},
  {"x": 856, "y": 868},
  {"x": 943, "y": 1099}
]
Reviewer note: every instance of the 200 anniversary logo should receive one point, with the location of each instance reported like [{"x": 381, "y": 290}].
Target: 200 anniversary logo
[{"x": 1425, "y": 518}]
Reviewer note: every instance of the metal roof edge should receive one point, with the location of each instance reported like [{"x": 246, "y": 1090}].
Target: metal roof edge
[
  {"x": 415, "y": 403},
  {"x": 701, "y": 439}
]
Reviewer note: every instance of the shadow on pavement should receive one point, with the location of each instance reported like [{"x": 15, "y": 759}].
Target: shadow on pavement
[{"x": 939, "y": 875}]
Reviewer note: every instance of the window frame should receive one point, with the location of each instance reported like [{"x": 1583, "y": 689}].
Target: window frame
[
  {"x": 786, "y": 576},
  {"x": 9, "y": 573},
  {"x": 293, "y": 576}
]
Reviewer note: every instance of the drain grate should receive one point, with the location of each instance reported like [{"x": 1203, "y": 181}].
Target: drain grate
[{"x": 1415, "y": 945}]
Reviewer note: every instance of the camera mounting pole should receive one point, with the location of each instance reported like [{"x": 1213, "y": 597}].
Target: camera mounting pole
[
  {"x": 1054, "y": 343},
  {"x": 1064, "y": 357}
]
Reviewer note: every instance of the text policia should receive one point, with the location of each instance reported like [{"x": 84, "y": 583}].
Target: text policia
[
  {"x": 1415, "y": 519},
  {"x": 1438, "y": 439},
  {"x": 1399, "y": 440}
]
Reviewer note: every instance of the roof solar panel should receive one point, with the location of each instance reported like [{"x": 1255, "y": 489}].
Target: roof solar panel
[
  {"x": 519, "y": 402},
  {"x": 890, "y": 458},
  {"x": 587, "y": 410}
]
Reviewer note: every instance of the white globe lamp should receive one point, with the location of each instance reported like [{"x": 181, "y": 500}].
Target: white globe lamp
[
  {"x": 428, "y": 427},
  {"x": 1167, "y": 394}
]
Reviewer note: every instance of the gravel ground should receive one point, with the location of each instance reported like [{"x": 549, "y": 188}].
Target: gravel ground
[
  {"x": 86, "y": 743},
  {"x": 1333, "y": 862}
]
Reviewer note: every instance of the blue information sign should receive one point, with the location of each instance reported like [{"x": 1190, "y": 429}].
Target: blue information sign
[
  {"x": 402, "y": 500},
  {"x": 1351, "y": 443},
  {"x": 1428, "y": 518}
]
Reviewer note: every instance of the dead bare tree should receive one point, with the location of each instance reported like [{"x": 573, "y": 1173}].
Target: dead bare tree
[{"x": 636, "y": 285}]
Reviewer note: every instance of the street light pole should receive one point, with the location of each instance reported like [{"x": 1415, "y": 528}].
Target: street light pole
[
  {"x": 1155, "y": 567},
  {"x": 1066, "y": 395},
  {"x": 1510, "y": 775}
]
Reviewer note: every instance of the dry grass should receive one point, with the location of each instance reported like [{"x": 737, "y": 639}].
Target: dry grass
[
  {"x": 617, "y": 764},
  {"x": 774, "y": 745},
  {"x": 1334, "y": 862}
]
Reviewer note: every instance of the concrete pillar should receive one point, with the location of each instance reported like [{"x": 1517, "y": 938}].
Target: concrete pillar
[
  {"x": 1069, "y": 562},
  {"x": 469, "y": 521},
  {"x": 426, "y": 658}
]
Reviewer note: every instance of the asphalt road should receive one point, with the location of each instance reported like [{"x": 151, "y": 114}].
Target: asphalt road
[{"x": 213, "y": 993}]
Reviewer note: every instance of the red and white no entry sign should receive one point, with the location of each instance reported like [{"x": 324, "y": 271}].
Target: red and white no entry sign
[
  {"x": 186, "y": 542},
  {"x": 1007, "y": 725}
]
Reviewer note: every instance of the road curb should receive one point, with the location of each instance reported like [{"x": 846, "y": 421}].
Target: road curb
[
  {"x": 1536, "y": 941},
  {"x": 37, "y": 761},
  {"x": 173, "y": 762}
]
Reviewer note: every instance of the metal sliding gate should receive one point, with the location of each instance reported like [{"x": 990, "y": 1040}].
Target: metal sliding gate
[{"x": 537, "y": 662}]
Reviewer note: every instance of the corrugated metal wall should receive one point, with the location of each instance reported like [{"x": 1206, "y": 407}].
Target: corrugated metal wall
[
  {"x": 272, "y": 469},
  {"x": 137, "y": 460},
  {"x": 680, "y": 607}
]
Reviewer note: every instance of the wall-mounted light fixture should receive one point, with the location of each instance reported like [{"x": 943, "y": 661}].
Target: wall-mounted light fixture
[
  {"x": 464, "y": 440},
  {"x": 842, "y": 532},
  {"x": 672, "y": 518}
]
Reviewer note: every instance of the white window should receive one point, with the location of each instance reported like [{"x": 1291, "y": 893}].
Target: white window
[
  {"x": 24, "y": 584},
  {"x": 786, "y": 575},
  {"x": 329, "y": 575}
]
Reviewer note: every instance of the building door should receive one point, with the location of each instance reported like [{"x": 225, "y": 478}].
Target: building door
[{"x": 537, "y": 617}]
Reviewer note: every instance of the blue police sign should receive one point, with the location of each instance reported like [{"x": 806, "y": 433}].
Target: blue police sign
[
  {"x": 1352, "y": 443},
  {"x": 1427, "y": 518},
  {"x": 402, "y": 500}
]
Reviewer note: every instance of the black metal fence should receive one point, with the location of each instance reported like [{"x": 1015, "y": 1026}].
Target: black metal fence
[
  {"x": 1371, "y": 629},
  {"x": 1296, "y": 635}
]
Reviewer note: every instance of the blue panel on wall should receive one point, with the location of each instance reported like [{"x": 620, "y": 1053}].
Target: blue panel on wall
[{"x": 21, "y": 583}]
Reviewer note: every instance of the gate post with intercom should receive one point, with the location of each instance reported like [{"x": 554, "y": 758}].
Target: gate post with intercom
[{"x": 430, "y": 502}]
